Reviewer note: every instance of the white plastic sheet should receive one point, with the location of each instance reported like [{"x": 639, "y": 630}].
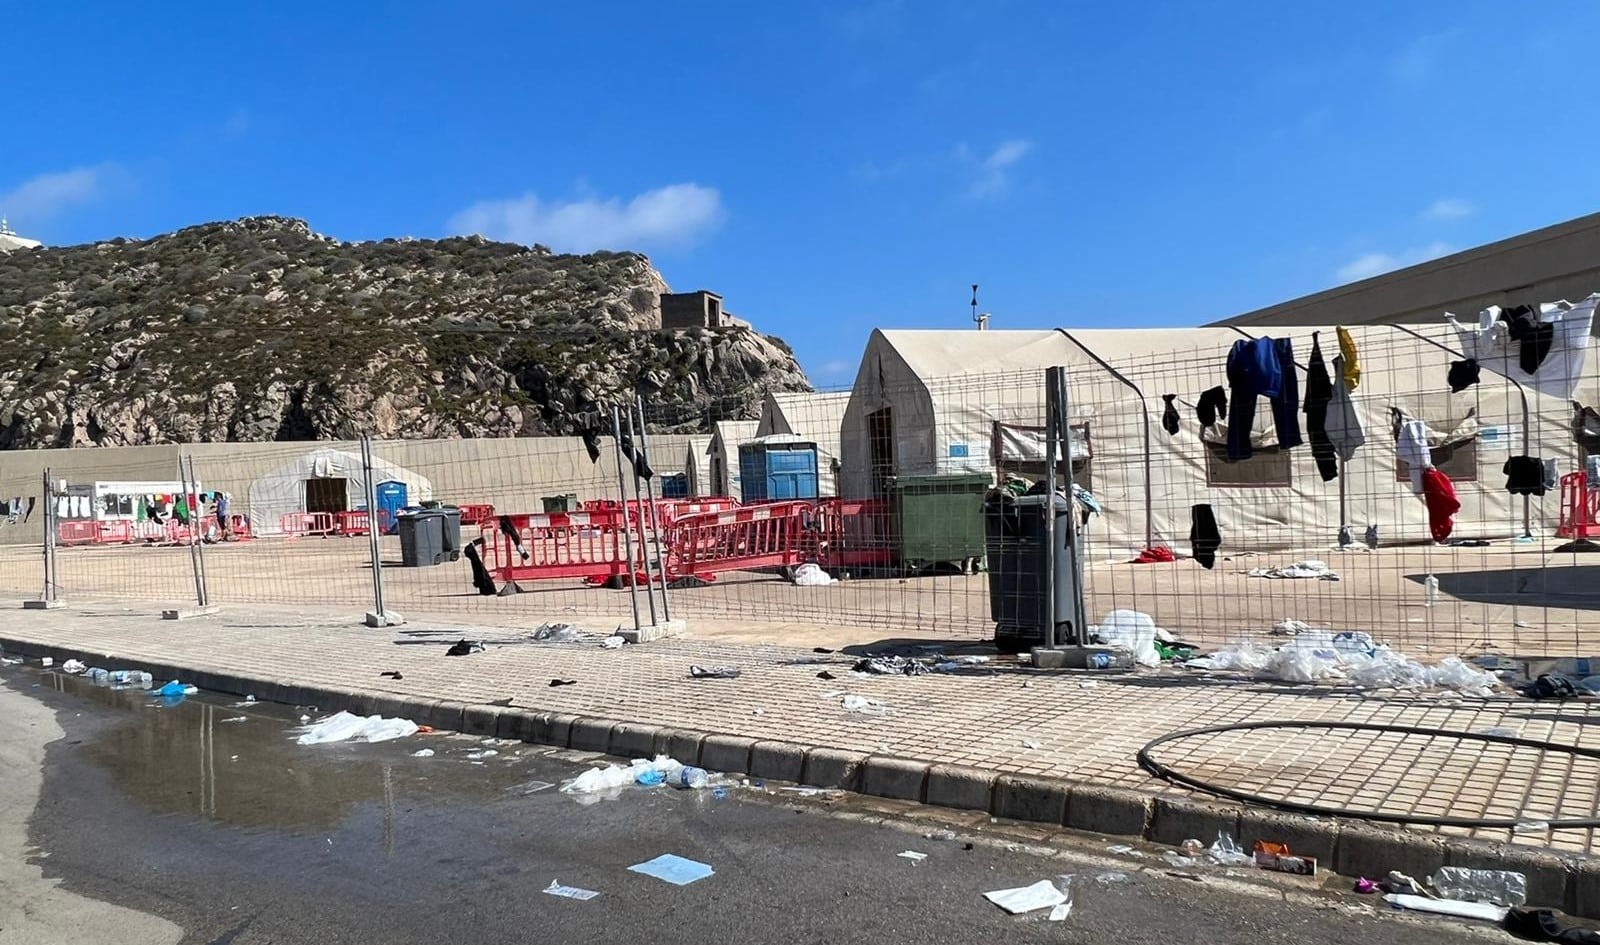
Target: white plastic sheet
[
  {"x": 1130, "y": 630},
  {"x": 344, "y": 727},
  {"x": 1041, "y": 895},
  {"x": 809, "y": 575}
]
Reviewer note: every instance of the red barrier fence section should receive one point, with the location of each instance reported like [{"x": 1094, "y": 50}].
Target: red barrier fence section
[
  {"x": 587, "y": 545},
  {"x": 297, "y": 524},
  {"x": 1580, "y": 507},
  {"x": 78, "y": 533},
  {"x": 350, "y": 524},
  {"x": 479, "y": 514},
  {"x": 777, "y": 535},
  {"x": 855, "y": 533}
]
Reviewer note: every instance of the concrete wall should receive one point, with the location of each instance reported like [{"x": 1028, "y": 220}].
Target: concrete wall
[
  {"x": 1557, "y": 262},
  {"x": 700, "y": 309}
]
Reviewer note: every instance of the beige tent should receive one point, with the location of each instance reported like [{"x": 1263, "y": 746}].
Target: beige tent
[
  {"x": 812, "y": 418},
  {"x": 697, "y": 466},
  {"x": 723, "y": 455},
  {"x": 966, "y": 401}
]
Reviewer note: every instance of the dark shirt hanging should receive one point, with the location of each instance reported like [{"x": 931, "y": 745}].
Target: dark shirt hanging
[
  {"x": 1204, "y": 536},
  {"x": 1524, "y": 475},
  {"x": 1213, "y": 405},
  {"x": 1532, "y": 335},
  {"x": 1262, "y": 367},
  {"x": 591, "y": 442},
  {"x": 1169, "y": 417},
  {"x": 1319, "y": 391},
  {"x": 1463, "y": 374}
]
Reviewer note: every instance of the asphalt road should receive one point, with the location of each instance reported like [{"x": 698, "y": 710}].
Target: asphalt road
[{"x": 160, "y": 823}]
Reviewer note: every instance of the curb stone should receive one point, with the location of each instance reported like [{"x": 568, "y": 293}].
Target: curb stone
[
  {"x": 894, "y": 777},
  {"x": 778, "y": 761},
  {"x": 1352, "y": 848}
]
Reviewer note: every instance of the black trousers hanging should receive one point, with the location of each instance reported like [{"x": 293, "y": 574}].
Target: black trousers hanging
[{"x": 1319, "y": 391}]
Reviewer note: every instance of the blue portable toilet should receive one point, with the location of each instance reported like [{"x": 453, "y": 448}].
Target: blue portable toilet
[
  {"x": 391, "y": 499},
  {"x": 776, "y": 468},
  {"x": 675, "y": 486}
]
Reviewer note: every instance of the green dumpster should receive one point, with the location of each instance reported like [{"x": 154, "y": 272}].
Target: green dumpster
[
  {"x": 940, "y": 518},
  {"x": 555, "y": 504}
]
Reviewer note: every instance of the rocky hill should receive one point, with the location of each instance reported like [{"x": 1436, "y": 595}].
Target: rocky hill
[{"x": 261, "y": 329}]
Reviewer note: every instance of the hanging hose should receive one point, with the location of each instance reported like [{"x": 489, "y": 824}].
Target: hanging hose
[{"x": 1148, "y": 762}]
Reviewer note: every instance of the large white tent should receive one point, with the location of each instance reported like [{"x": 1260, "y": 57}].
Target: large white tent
[
  {"x": 284, "y": 490},
  {"x": 932, "y": 402},
  {"x": 812, "y": 418}
]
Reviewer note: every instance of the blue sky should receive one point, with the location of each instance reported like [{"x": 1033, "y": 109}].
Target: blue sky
[{"x": 832, "y": 167}]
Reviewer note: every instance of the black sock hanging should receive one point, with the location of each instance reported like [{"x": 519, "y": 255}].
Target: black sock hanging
[
  {"x": 1169, "y": 417},
  {"x": 1204, "y": 537}
]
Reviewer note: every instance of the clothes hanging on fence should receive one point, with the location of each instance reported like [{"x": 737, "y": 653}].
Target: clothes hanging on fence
[
  {"x": 641, "y": 466},
  {"x": 1351, "y": 372},
  {"x": 509, "y": 529},
  {"x": 1411, "y": 447},
  {"x": 1319, "y": 392},
  {"x": 480, "y": 574},
  {"x": 1552, "y": 474},
  {"x": 591, "y": 442},
  {"x": 1343, "y": 421},
  {"x": 1213, "y": 406},
  {"x": 1552, "y": 343},
  {"x": 1524, "y": 475},
  {"x": 1440, "y": 496},
  {"x": 1169, "y": 416},
  {"x": 1204, "y": 536},
  {"x": 1463, "y": 374},
  {"x": 1262, "y": 367},
  {"x": 1586, "y": 427},
  {"x": 1591, "y": 470}
]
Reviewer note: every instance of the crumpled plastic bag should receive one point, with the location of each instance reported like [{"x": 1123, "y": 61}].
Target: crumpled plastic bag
[
  {"x": 345, "y": 727},
  {"x": 809, "y": 575},
  {"x": 1130, "y": 630}
]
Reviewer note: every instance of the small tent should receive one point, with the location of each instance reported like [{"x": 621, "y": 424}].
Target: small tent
[
  {"x": 324, "y": 480},
  {"x": 697, "y": 466},
  {"x": 723, "y": 455},
  {"x": 811, "y": 417}
]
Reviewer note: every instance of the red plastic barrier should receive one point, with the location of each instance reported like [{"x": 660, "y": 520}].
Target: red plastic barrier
[
  {"x": 478, "y": 514},
  {"x": 587, "y": 545},
  {"x": 297, "y": 524},
  {"x": 1580, "y": 507},
  {"x": 776, "y": 535},
  {"x": 77, "y": 533},
  {"x": 239, "y": 528},
  {"x": 854, "y": 533},
  {"x": 350, "y": 524},
  {"x": 119, "y": 532}
]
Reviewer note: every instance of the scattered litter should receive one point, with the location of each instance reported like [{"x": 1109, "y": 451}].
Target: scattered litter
[
  {"x": 556, "y": 633},
  {"x": 1276, "y": 857},
  {"x": 1029, "y": 743},
  {"x": 422, "y": 753},
  {"x": 1088, "y": 683},
  {"x": 1060, "y": 912},
  {"x": 391, "y": 674},
  {"x": 613, "y": 643},
  {"x": 1177, "y": 860},
  {"x": 8, "y": 661},
  {"x": 1226, "y": 851},
  {"x": 1430, "y": 589},
  {"x": 939, "y": 835},
  {"x": 1541, "y": 925},
  {"x": 1111, "y": 878},
  {"x": 464, "y": 648},
  {"x": 533, "y": 787},
  {"x": 1497, "y": 731},
  {"x": 597, "y": 780},
  {"x": 852, "y": 703},
  {"x": 1461, "y": 910},
  {"x": 649, "y": 777},
  {"x": 562, "y": 682},
  {"x": 820, "y": 649},
  {"x": 1290, "y": 627},
  {"x": 713, "y": 672},
  {"x": 912, "y": 855},
  {"x": 804, "y": 791},
  {"x": 174, "y": 689},
  {"x": 1552, "y": 686},
  {"x": 1398, "y": 882},
  {"x": 305, "y": 718},
  {"x": 1310, "y": 569},
  {"x": 1022, "y": 899},
  {"x": 1191, "y": 847},
  {"x": 73, "y": 667},
  {"x": 1365, "y": 886},
  {"x": 1522, "y": 624},
  {"x": 674, "y": 869},
  {"x": 889, "y": 666},
  {"x": 237, "y": 718},
  {"x": 569, "y": 892},
  {"x": 345, "y": 727},
  {"x": 809, "y": 575},
  {"x": 1122, "y": 849},
  {"x": 1501, "y": 887},
  {"x": 1531, "y": 826},
  {"x": 46, "y": 661},
  {"x": 1352, "y": 657},
  {"x": 1130, "y": 630},
  {"x": 480, "y": 755},
  {"x": 826, "y": 675}
]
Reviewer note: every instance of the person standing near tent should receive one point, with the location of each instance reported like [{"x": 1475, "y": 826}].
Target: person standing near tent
[{"x": 221, "y": 504}]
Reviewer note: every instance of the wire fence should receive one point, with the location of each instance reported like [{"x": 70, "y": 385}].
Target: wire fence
[{"x": 865, "y": 508}]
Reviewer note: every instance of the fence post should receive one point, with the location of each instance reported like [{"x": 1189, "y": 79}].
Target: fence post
[
  {"x": 194, "y": 559},
  {"x": 197, "y": 533},
  {"x": 48, "y": 596},
  {"x": 380, "y": 616},
  {"x": 655, "y": 517},
  {"x": 639, "y": 506},
  {"x": 1052, "y": 417},
  {"x": 1075, "y": 561},
  {"x": 627, "y": 532}
]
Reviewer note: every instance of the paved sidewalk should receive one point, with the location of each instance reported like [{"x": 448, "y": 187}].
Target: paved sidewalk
[{"x": 1001, "y": 719}]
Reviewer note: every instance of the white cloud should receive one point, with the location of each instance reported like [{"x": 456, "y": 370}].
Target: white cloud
[
  {"x": 46, "y": 195},
  {"x": 836, "y": 369},
  {"x": 1417, "y": 62},
  {"x": 1373, "y": 264},
  {"x": 994, "y": 170},
  {"x": 1449, "y": 208},
  {"x": 674, "y": 215}
]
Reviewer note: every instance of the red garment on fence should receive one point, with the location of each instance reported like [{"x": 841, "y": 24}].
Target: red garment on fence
[
  {"x": 1154, "y": 556},
  {"x": 1440, "y": 495}
]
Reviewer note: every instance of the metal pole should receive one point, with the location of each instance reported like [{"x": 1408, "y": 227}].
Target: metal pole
[
  {"x": 1144, "y": 412},
  {"x": 199, "y": 545},
  {"x": 644, "y": 544},
  {"x": 182, "y": 501},
  {"x": 1064, "y": 415},
  {"x": 655, "y": 517},
  {"x": 48, "y": 545},
  {"x": 373, "y": 552},
  {"x": 627, "y": 532},
  {"x": 1051, "y": 419}
]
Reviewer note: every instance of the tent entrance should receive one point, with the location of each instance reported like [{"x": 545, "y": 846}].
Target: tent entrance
[
  {"x": 880, "y": 447},
  {"x": 327, "y": 495}
]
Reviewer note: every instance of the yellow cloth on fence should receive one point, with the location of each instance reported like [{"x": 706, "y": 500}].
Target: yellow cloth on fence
[{"x": 1352, "y": 367}]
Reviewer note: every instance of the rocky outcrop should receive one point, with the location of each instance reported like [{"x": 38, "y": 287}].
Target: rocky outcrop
[{"x": 261, "y": 329}]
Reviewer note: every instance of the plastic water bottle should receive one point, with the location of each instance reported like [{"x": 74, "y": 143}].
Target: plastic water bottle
[
  {"x": 1431, "y": 586},
  {"x": 131, "y": 678},
  {"x": 98, "y": 677},
  {"x": 692, "y": 778},
  {"x": 1099, "y": 660}
]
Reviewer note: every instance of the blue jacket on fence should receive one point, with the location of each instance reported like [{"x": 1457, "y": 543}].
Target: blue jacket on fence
[{"x": 1262, "y": 367}]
